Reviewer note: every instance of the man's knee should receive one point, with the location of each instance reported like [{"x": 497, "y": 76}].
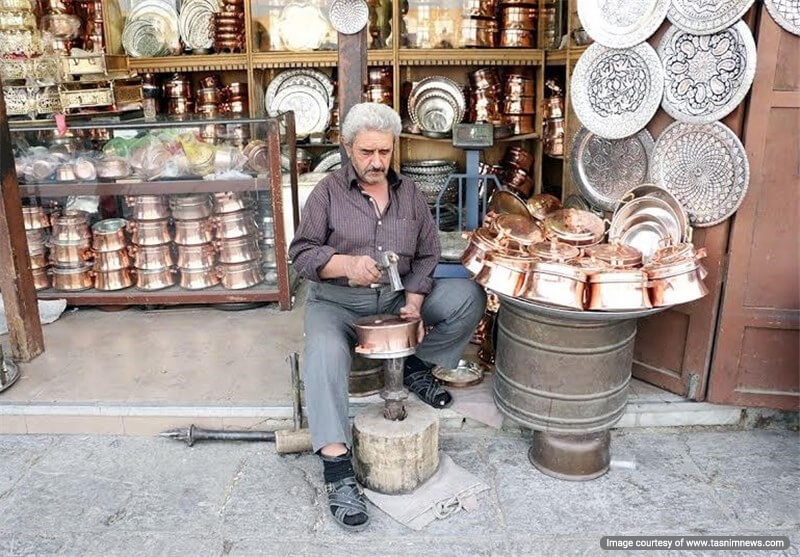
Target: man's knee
[{"x": 460, "y": 299}]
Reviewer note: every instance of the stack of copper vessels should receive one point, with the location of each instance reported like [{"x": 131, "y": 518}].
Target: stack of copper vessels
[
  {"x": 478, "y": 24},
  {"x": 93, "y": 37},
  {"x": 194, "y": 240},
  {"x": 152, "y": 241},
  {"x": 515, "y": 171},
  {"x": 178, "y": 94},
  {"x": 519, "y": 106},
  {"x": 485, "y": 96},
  {"x": 229, "y": 27},
  {"x": 518, "y": 28},
  {"x": 37, "y": 229},
  {"x": 209, "y": 97},
  {"x": 553, "y": 117},
  {"x": 240, "y": 257},
  {"x": 266, "y": 224},
  {"x": 71, "y": 252},
  {"x": 112, "y": 255},
  {"x": 379, "y": 86}
]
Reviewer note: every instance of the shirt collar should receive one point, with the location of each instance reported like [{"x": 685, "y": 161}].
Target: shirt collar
[{"x": 352, "y": 180}]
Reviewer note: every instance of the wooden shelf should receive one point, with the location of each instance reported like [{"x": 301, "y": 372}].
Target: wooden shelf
[
  {"x": 142, "y": 188},
  {"x": 576, "y": 52},
  {"x": 313, "y": 59},
  {"x": 525, "y": 137},
  {"x": 556, "y": 57},
  {"x": 189, "y": 62},
  {"x": 174, "y": 295},
  {"x": 471, "y": 57}
]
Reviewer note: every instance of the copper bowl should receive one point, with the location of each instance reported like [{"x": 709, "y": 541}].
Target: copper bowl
[
  {"x": 179, "y": 106},
  {"x": 147, "y": 207},
  {"x": 519, "y": 105},
  {"x": 519, "y": 17},
  {"x": 520, "y": 86},
  {"x": 79, "y": 277},
  {"x": 155, "y": 279},
  {"x": 112, "y": 260},
  {"x": 387, "y": 335},
  {"x": 198, "y": 279},
  {"x": 202, "y": 256},
  {"x": 190, "y": 206},
  {"x": 109, "y": 235},
  {"x": 35, "y": 218},
  {"x": 516, "y": 38},
  {"x": 150, "y": 232},
  {"x": 478, "y": 33},
  {"x": 380, "y": 76},
  {"x": 485, "y": 78},
  {"x": 518, "y": 180},
  {"x": 208, "y": 95},
  {"x": 194, "y": 232},
  {"x": 230, "y": 202},
  {"x": 70, "y": 225},
  {"x": 523, "y": 124},
  {"x": 114, "y": 280},
  {"x": 237, "y": 276},
  {"x": 152, "y": 257},
  {"x": 70, "y": 254},
  {"x": 238, "y": 250},
  {"x": 235, "y": 225},
  {"x": 519, "y": 158}
]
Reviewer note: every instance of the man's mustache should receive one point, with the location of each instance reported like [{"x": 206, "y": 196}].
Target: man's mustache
[{"x": 376, "y": 169}]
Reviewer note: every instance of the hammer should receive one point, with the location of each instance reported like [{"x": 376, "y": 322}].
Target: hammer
[{"x": 388, "y": 263}]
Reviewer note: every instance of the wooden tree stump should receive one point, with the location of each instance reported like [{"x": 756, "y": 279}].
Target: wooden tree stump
[{"x": 395, "y": 457}]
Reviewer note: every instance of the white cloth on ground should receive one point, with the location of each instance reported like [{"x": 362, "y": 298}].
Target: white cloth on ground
[{"x": 49, "y": 311}]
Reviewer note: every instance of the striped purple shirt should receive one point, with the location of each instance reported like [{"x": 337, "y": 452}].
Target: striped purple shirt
[{"x": 339, "y": 218}]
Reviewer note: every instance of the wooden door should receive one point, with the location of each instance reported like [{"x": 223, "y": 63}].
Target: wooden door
[{"x": 757, "y": 353}]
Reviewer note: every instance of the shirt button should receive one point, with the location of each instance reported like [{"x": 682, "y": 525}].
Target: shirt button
[
  {"x": 380, "y": 248},
  {"x": 379, "y": 223}
]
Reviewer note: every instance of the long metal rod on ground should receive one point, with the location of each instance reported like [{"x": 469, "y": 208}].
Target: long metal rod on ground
[{"x": 297, "y": 440}]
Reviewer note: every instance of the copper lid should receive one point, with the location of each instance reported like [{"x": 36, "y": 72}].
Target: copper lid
[
  {"x": 590, "y": 265},
  {"x": 542, "y": 204},
  {"x": 574, "y": 226},
  {"x": 519, "y": 228},
  {"x": 616, "y": 254},
  {"x": 555, "y": 251},
  {"x": 503, "y": 201},
  {"x": 670, "y": 254}
]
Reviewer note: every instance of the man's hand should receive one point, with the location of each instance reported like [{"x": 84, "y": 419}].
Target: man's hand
[
  {"x": 413, "y": 310},
  {"x": 362, "y": 270}
]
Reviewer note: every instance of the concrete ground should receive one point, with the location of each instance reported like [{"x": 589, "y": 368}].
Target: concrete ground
[{"x": 84, "y": 495}]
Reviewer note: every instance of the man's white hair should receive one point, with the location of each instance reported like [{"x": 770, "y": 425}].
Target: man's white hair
[{"x": 370, "y": 116}]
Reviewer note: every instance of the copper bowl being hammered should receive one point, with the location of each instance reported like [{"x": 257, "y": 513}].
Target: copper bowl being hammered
[{"x": 386, "y": 336}]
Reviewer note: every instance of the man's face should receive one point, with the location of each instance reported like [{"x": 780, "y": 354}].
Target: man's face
[{"x": 371, "y": 153}]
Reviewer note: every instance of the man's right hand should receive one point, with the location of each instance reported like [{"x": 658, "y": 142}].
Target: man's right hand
[{"x": 362, "y": 270}]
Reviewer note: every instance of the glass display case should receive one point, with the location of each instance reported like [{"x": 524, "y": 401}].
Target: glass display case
[{"x": 163, "y": 211}]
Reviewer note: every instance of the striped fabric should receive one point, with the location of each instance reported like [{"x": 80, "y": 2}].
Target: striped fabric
[{"x": 339, "y": 217}]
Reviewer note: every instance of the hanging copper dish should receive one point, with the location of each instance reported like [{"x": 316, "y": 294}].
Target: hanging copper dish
[{"x": 575, "y": 227}]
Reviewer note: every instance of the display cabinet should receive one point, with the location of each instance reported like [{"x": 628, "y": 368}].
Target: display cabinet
[{"x": 161, "y": 212}]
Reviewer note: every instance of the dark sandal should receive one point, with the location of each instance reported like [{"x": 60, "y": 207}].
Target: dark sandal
[
  {"x": 345, "y": 498},
  {"x": 423, "y": 384}
]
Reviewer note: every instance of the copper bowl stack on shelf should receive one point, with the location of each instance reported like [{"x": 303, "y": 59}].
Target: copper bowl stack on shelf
[
  {"x": 71, "y": 251},
  {"x": 237, "y": 244},
  {"x": 151, "y": 239},
  {"x": 478, "y": 24},
  {"x": 486, "y": 96},
  {"x": 266, "y": 225},
  {"x": 553, "y": 118},
  {"x": 518, "y": 23},
  {"x": 229, "y": 27},
  {"x": 208, "y": 100},
  {"x": 519, "y": 106},
  {"x": 194, "y": 240},
  {"x": 37, "y": 230},
  {"x": 379, "y": 86},
  {"x": 234, "y": 102},
  {"x": 515, "y": 171},
  {"x": 178, "y": 95},
  {"x": 112, "y": 257}
]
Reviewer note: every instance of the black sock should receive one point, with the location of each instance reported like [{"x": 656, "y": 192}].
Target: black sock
[
  {"x": 337, "y": 468},
  {"x": 414, "y": 364}
]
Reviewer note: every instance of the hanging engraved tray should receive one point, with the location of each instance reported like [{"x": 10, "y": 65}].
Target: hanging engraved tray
[
  {"x": 616, "y": 92},
  {"x": 622, "y": 23},
  {"x": 786, "y": 13},
  {"x": 705, "y": 167},
  {"x": 605, "y": 169},
  {"x": 708, "y": 16},
  {"x": 706, "y": 76}
]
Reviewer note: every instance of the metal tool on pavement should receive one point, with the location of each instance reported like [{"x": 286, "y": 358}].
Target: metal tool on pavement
[
  {"x": 287, "y": 441},
  {"x": 9, "y": 372}
]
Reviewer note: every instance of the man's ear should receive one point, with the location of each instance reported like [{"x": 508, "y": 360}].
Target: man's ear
[{"x": 349, "y": 150}]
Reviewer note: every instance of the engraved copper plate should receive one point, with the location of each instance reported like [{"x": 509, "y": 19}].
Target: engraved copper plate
[
  {"x": 605, "y": 169},
  {"x": 348, "y": 16},
  {"x": 621, "y": 23},
  {"x": 616, "y": 92},
  {"x": 786, "y": 13},
  {"x": 310, "y": 108},
  {"x": 703, "y": 17},
  {"x": 283, "y": 78},
  {"x": 705, "y": 167},
  {"x": 706, "y": 76}
]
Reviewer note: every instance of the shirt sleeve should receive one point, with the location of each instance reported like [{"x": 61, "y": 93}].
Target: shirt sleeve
[
  {"x": 420, "y": 278},
  {"x": 308, "y": 251}
]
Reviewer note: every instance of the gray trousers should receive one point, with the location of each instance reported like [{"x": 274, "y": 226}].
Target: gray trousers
[{"x": 454, "y": 307}]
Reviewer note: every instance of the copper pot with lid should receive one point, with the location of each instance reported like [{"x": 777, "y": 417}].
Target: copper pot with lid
[
  {"x": 481, "y": 243},
  {"x": 553, "y": 250},
  {"x": 516, "y": 232},
  {"x": 202, "y": 256},
  {"x": 675, "y": 280},
  {"x": 505, "y": 273},
  {"x": 388, "y": 335},
  {"x": 616, "y": 255},
  {"x": 575, "y": 227},
  {"x": 109, "y": 235},
  {"x": 70, "y": 254},
  {"x": 79, "y": 277},
  {"x": 70, "y": 225},
  {"x": 236, "y": 276},
  {"x": 556, "y": 283},
  {"x": 505, "y": 201},
  {"x": 152, "y": 257},
  {"x": 619, "y": 290}
]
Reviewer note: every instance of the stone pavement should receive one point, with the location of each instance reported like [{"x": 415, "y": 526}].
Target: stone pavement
[{"x": 84, "y": 495}]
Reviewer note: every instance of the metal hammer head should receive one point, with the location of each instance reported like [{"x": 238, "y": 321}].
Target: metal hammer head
[{"x": 389, "y": 261}]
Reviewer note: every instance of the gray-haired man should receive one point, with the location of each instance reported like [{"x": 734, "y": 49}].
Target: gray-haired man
[{"x": 352, "y": 216}]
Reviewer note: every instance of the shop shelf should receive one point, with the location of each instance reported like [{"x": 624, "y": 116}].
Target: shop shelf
[
  {"x": 471, "y": 57},
  {"x": 173, "y": 295},
  {"x": 194, "y": 62}
]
